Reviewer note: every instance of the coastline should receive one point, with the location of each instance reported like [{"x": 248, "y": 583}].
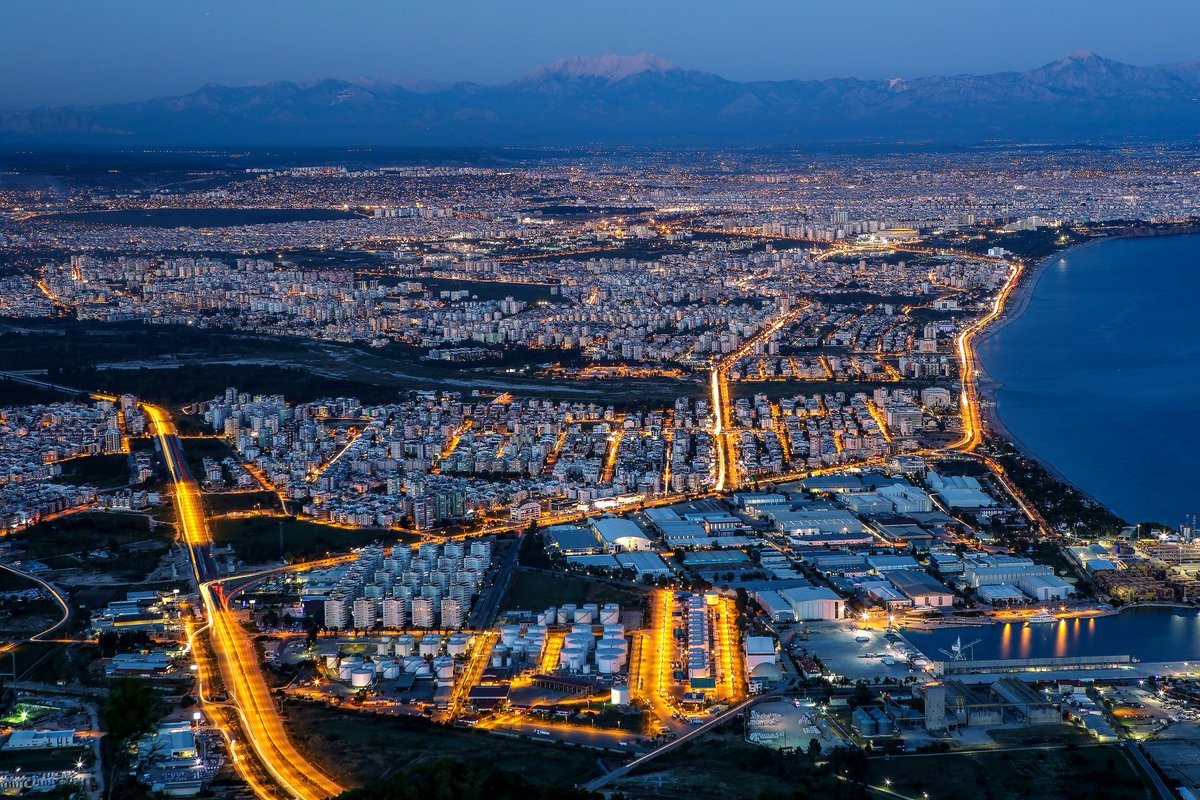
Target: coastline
[{"x": 986, "y": 386}]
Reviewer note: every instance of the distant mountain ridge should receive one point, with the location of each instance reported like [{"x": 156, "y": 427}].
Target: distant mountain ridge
[{"x": 643, "y": 99}]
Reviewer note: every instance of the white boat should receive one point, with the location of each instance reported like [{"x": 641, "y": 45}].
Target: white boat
[{"x": 1041, "y": 619}]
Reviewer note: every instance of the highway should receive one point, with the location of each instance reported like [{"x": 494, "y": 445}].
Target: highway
[{"x": 237, "y": 660}]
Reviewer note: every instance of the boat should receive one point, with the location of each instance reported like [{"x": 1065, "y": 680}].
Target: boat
[{"x": 1041, "y": 619}]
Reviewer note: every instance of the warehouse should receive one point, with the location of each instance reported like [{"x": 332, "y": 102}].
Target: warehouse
[
  {"x": 1045, "y": 587},
  {"x": 572, "y": 541},
  {"x": 814, "y": 603},
  {"x": 620, "y": 533},
  {"x": 924, "y": 590}
]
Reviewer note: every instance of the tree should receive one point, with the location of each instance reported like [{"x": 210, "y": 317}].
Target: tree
[
  {"x": 130, "y": 711},
  {"x": 814, "y": 748}
]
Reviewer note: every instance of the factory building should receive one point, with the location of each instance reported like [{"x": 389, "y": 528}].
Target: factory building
[{"x": 619, "y": 533}]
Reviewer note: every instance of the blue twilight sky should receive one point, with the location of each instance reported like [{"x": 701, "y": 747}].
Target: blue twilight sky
[{"x": 56, "y": 52}]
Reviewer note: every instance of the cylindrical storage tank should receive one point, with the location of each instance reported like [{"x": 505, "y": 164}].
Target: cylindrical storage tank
[
  {"x": 614, "y": 631},
  {"x": 430, "y": 646},
  {"x": 406, "y": 644},
  {"x": 584, "y": 640},
  {"x": 608, "y": 663},
  {"x": 611, "y": 652},
  {"x": 444, "y": 668},
  {"x": 391, "y": 671},
  {"x": 610, "y": 614},
  {"x": 384, "y": 646},
  {"x": 346, "y": 671},
  {"x": 615, "y": 644},
  {"x": 457, "y": 646},
  {"x": 362, "y": 677},
  {"x": 864, "y": 722},
  {"x": 585, "y": 615},
  {"x": 411, "y": 663},
  {"x": 545, "y": 618},
  {"x": 566, "y": 614},
  {"x": 572, "y": 658},
  {"x": 509, "y": 633},
  {"x": 592, "y": 609},
  {"x": 499, "y": 656},
  {"x": 582, "y": 627},
  {"x": 331, "y": 661},
  {"x": 423, "y": 670},
  {"x": 621, "y": 696}
]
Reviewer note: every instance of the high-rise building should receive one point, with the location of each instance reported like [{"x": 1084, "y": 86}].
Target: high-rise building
[
  {"x": 423, "y": 612},
  {"x": 453, "y": 615},
  {"x": 337, "y": 612}
]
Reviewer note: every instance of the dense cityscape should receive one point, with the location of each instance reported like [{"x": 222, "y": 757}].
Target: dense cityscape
[{"x": 603, "y": 470}]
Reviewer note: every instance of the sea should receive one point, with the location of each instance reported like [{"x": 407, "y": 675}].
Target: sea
[
  {"x": 1100, "y": 376},
  {"x": 1151, "y": 634}
]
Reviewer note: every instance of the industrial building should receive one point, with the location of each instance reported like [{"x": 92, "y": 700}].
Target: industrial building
[
  {"x": 619, "y": 533},
  {"x": 801, "y": 603}
]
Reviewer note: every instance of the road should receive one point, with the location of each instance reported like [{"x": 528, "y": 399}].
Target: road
[
  {"x": 54, "y": 592},
  {"x": 1140, "y": 757},
  {"x": 486, "y": 607},
  {"x": 237, "y": 661},
  {"x": 696, "y": 731},
  {"x": 727, "y": 476}
]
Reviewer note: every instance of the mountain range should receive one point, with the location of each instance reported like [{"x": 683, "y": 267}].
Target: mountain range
[{"x": 645, "y": 100}]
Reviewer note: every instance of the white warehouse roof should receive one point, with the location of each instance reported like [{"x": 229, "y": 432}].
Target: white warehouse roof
[{"x": 620, "y": 532}]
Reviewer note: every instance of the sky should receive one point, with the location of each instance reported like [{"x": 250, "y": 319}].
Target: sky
[{"x": 59, "y": 52}]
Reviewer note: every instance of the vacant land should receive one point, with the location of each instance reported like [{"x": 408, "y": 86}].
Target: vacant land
[
  {"x": 104, "y": 472},
  {"x": 196, "y": 449},
  {"x": 69, "y": 542},
  {"x": 723, "y": 765},
  {"x": 362, "y": 747},
  {"x": 241, "y": 502},
  {"x": 256, "y": 540},
  {"x": 536, "y": 591},
  {"x": 1063, "y": 773}
]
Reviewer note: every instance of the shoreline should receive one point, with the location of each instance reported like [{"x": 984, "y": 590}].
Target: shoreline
[{"x": 987, "y": 387}]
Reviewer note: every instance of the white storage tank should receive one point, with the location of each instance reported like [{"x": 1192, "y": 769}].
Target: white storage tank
[
  {"x": 458, "y": 645},
  {"x": 583, "y": 640},
  {"x": 406, "y": 644},
  {"x": 361, "y": 677},
  {"x": 423, "y": 670},
  {"x": 509, "y": 633},
  {"x": 610, "y": 614},
  {"x": 621, "y": 643},
  {"x": 548, "y": 617},
  {"x": 593, "y": 609},
  {"x": 331, "y": 661},
  {"x": 614, "y": 631},
  {"x": 443, "y": 668},
  {"x": 430, "y": 645},
  {"x": 608, "y": 663},
  {"x": 391, "y": 670},
  {"x": 412, "y": 663},
  {"x": 582, "y": 627},
  {"x": 346, "y": 671},
  {"x": 585, "y": 614},
  {"x": 617, "y": 652},
  {"x": 384, "y": 646},
  {"x": 566, "y": 614},
  {"x": 499, "y": 657},
  {"x": 621, "y": 696},
  {"x": 572, "y": 658}
]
